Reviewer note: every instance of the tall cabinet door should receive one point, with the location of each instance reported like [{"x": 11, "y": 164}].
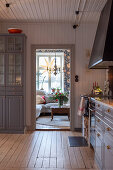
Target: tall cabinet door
[
  {"x": 14, "y": 70},
  {"x": 2, "y": 74},
  {"x": 14, "y": 44},
  {"x": 14, "y": 111},
  {"x": 2, "y": 112}
]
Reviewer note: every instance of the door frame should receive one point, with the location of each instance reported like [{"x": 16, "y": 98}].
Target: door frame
[{"x": 33, "y": 80}]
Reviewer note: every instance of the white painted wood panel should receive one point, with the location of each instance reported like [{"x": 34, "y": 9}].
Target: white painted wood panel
[
  {"x": 83, "y": 39},
  {"x": 50, "y": 10}
]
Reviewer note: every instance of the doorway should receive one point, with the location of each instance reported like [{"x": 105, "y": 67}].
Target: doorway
[
  {"x": 53, "y": 84},
  {"x": 44, "y": 79}
]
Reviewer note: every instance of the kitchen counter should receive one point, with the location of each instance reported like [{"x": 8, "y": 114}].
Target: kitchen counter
[
  {"x": 105, "y": 100},
  {"x": 101, "y": 131}
]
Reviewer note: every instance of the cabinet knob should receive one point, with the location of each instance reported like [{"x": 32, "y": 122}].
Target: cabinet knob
[
  {"x": 98, "y": 134},
  {"x": 98, "y": 120},
  {"x": 108, "y": 110},
  {"x": 98, "y": 105},
  {"x": 108, "y": 129},
  {"x": 108, "y": 147}
]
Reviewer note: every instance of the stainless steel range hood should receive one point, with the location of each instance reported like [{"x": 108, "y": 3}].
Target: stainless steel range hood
[{"x": 102, "y": 52}]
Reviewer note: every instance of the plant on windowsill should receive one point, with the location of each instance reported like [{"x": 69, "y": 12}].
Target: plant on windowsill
[
  {"x": 53, "y": 90},
  {"x": 58, "y": 90},
  {"x": 60, "y": 97}
]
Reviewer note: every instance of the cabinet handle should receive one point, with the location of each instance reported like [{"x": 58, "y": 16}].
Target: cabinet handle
[
  {"x": 98, "y": 134},
  {"x": 98, "y": 120},
  {"x": 108, "y": 129},
  {"x": 108, "y": 147},
  {"x": 108, "y": 110},
  {"x": 98, "y": 105}
]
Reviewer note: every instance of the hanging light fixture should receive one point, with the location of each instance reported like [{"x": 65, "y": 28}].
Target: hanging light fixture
[
  {"x": 52, "y": 69},
  {"x": 56, "y": 69}
]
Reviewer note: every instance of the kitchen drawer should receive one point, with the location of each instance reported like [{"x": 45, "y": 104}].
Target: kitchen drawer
[
  {"x": 108, "y": 113},
  {"x": 99, "y": 133},
  {"x": 108, "y": 110},
  {"x": 98, "y": 122},
  {"x": 99, "y": 115},
  {"x": 99, "y": 148},
  {"x": 108, "y": 129},
  {"x": 108, "y": 119},
  {"x": 100, "y": 129},
  {"x": 99, "y": 107},
  {"x": 108, "y": 152}
]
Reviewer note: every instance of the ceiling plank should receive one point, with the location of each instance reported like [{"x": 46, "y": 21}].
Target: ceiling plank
[{"x": 51, "y": 10}]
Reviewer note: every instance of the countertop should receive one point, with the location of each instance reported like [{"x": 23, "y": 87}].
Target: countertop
[{"x": 105, "y": 100}]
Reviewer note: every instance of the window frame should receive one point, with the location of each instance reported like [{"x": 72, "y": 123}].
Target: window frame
[{"x": 49, "y": 55}]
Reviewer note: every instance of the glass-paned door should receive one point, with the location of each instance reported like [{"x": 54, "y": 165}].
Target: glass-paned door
[
  {"x": 14, "y": 69},
  {"x": 2, "y": 44},
  {"x": 10, "y": 44},
  {"x": 18, "y": 43},
  {"x": 2, "y": 69},
  {"x": 14, "y": 44}
]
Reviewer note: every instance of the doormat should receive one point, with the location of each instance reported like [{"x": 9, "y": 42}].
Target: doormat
[{"x": 77, "y": 141}]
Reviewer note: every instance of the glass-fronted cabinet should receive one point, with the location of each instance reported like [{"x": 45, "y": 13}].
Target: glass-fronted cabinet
[
  {"x": 14, "y": 44},
  {"x": 2, "y": 44},
  {"x": 2, "y": 69},
  {"x": 12, "y": 80},
  {"x": 14, "y": 69}
]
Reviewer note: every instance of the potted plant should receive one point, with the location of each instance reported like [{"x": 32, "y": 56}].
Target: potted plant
[
  {"x": 58, "y": 90},
  {"x": 53, "y": 90},
  {"x": 60, "y": 97}
]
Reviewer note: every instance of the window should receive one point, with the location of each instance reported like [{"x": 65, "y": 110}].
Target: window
[{"x": 45, "y": 79}]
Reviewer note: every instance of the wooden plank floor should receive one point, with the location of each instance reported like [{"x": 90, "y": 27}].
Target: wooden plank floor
[{"x": 43, "y": 150}]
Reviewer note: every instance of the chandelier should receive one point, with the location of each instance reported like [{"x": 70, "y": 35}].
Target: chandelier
[{"x": 54, "y": 69}]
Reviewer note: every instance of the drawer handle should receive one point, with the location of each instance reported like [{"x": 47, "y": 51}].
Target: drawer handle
[
  {"x": 98, "y": 120},
  {"x": 108, "y": 147},
  {"x": 108, "y": 110},
  {"x": 98, "y": 105},
  {"x": 108, "y": 129},
  {"x": 98, "y": 134}
]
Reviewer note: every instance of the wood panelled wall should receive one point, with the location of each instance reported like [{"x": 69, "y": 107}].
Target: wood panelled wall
[
  {"x": 85, "y": 35},
  {"x": 51, "y": 33}
]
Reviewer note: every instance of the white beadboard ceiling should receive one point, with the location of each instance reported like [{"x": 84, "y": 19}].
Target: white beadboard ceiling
[{"x": 50, "y": 10}]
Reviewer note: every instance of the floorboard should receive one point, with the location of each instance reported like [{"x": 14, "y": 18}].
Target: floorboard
[{"x": 44, "y": 150}]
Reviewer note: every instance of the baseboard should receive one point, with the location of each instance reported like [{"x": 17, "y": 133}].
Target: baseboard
[
  {"x": 30, "y": 128},
  {"x": 78, "y": 129}
]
